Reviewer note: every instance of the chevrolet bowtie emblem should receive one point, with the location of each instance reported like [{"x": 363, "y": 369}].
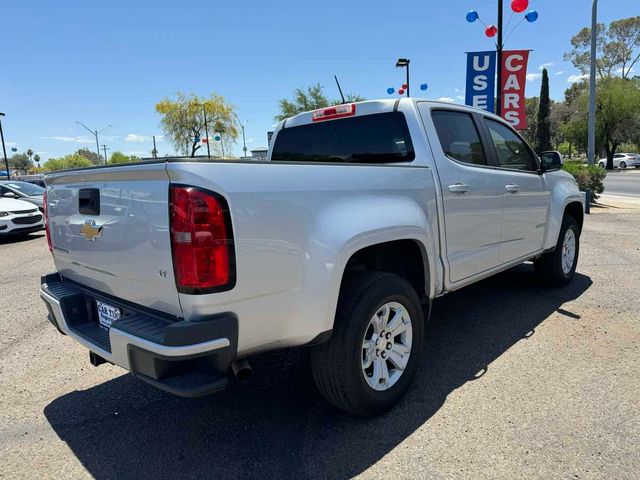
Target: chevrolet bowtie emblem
[{"x": 90, "y": 231}]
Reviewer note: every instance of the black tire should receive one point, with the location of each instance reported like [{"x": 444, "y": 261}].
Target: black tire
[
  {"x": 623, "y": 165},
  {"x": 336, "y": 364},
  {"x": 548, "y": 267}
]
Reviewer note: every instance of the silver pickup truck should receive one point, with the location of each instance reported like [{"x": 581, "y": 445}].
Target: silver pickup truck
[{"x": 179, "y": 270}]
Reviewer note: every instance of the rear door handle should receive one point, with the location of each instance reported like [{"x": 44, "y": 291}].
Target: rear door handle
[
  {"x": 459, "y": 188},
  {"x": 512, "y": 187}
]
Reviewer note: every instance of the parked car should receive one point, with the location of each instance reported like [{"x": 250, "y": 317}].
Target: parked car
[
  {"x": 622, "y": 161},
  {"x": 22, "y": 190},
  {"x": 18, "y": 217},
  {"x": 361, "y": 216}
]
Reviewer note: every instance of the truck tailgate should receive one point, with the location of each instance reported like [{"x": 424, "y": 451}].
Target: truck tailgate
[{"x": 110, "y": 231}]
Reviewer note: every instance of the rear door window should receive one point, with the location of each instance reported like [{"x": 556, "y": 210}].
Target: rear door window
[
  {"x": 459, "y": 137},
  {"x": 376, "y": 138}
]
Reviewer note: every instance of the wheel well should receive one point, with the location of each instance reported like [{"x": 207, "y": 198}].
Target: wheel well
[
  {"x": 575, "y": 209},
  {"x": 401, "y": 257}
]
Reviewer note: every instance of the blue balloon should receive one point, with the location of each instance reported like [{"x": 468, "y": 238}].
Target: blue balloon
[
  {"x": 217, "y": 138},
  {"x": 531, "y": 16},
  {"x": 472, "y": 16},
  {"x": 424, "y": 86},
  {"x": 390, "y": 90}
]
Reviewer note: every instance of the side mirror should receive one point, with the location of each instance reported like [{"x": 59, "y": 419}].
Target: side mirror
[{"x": 551, "y": 161}]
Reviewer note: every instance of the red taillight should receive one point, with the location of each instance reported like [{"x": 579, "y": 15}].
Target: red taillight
[
  {"x": 46, "y": 220},
  {"x": 201, "y": 240},
  {"x": 330, "y": 113}
]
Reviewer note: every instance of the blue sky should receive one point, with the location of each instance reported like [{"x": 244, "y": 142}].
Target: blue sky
[{"x": 110, "y": 62}]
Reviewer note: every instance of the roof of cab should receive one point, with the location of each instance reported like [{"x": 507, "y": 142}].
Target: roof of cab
[{"x": 368, "y": 107}]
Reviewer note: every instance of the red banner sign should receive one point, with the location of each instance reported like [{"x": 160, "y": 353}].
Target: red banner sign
[{"x": 514, "y": 79}]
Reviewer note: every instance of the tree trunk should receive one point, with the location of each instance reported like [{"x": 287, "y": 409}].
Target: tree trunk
[{"x": 611, "y": 151}]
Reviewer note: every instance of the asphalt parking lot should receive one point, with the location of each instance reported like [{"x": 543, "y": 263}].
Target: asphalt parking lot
[{"x": 518, "y": 381}]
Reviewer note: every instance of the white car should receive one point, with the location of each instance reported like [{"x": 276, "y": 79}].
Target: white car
[
  {"x": 622, "y": 161},
  {"x": 18, "y": 217}
]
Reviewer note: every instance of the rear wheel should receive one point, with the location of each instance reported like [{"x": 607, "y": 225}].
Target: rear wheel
[
  {"x": 557, "y": 268},
  {"x": 375, "y": 348},
  {"x": 623, "y": 164}
]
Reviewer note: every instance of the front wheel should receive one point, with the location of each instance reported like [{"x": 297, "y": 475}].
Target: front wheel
[
  {"x": 376, "y": 345},
  {"x": 557, "y": 268}
]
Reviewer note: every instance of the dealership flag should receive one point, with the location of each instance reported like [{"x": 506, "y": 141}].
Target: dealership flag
[
  {"x": 514, "y": 79},
  {"x": 481, "y": 80}
]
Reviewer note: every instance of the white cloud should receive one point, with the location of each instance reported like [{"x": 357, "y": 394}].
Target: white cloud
[
  {"x": 560, "y": 72},
  {"x": 545, "y": 65},
  {"x": 577, "y": 78},
  {"x": 532, "y": 77},
  {"x": 76, "y": 139},
  {"x": 445, "y": 99},
  {"x": 11, "y": 144},
  {"x": 138, "y": 153},
  {"x": 135, "y": 138}
]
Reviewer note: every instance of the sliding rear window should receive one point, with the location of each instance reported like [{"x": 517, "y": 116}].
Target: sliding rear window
[{"x": 377, "y": 138}]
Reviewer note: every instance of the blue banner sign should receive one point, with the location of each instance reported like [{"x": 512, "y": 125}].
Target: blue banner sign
[{"x": 481, "y": 80}]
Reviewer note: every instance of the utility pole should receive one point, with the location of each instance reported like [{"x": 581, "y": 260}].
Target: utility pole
[
  {"x": 404, "y": 62},
  {"x": 4, "y": 150},
  {"x": 155, "y": 151},
  {"x": 104, "y": 148},
  {"x": 591, "y": 142},
  {"x": 499, "y": 47}
]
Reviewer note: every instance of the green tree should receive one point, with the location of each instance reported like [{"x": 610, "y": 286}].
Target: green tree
[
  {"x": 68, "y": 161},
  {"x": 36, "y": 158},
  {"x": 90, "y": 155},
  {"x": 618, "y": 48},
  {"x": 21, "y": 162},
  {"x": 119, "y": 157},
  {"x": 543, "y": 118},
  {"x": 310, "y": 99},
  {"x": 183, "y": 121},
  {"x": 530, "y": 108}
]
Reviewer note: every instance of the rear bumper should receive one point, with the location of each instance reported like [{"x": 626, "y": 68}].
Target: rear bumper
[{"x": 186, "y": 358}]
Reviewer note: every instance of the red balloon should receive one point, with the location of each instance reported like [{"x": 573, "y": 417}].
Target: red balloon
[
  {"x": 401, "y": 91},
  {"x": 404, "y": 85},
  {"x": 519, "y": 6},
  {"x": 491, "y": 31}
]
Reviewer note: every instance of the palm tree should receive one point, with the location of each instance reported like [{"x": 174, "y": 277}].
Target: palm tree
[{"x": 36, "y": 159}]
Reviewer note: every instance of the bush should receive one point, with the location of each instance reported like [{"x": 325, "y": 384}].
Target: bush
[{"x": 589, "y": 177}]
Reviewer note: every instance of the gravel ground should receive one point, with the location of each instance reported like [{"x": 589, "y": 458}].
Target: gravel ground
[{"x": 517, "y": 381}]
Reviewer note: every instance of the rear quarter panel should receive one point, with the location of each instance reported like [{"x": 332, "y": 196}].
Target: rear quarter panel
[{"x": 295, "y": 228}]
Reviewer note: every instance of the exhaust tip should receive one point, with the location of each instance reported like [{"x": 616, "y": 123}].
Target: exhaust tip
[{"x": 242, "y": 370}]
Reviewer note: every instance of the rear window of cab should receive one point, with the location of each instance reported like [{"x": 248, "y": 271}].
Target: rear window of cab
[{"x": 376, "y": 138}]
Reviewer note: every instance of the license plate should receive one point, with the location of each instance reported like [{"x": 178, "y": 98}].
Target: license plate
[{"x": 107, "y": 314}]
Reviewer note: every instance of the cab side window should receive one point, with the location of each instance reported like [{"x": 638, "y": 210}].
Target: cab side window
[
  {"x": 511, "y": 151},
  {"x": 459, "y": 137}
]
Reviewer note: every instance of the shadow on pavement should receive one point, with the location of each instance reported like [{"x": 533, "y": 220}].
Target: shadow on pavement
[
  {"x": 276, "y": 425},
  {"x": 7, "y": 239}
]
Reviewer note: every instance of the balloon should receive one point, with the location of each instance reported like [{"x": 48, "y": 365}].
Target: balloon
[
  {"x": 401, "y": 91},
  {"x": 404, "y": 85},
  {"x": 531, "y": 16},
  {"x": 424, "y": 86},
  {"x": 217, "y": 138},
  {"x": 519, "y": 6},
  {"x": 390, "y": 90},
  {"x": 472, "y": 16},
  {"x": 491, "y": 31}
]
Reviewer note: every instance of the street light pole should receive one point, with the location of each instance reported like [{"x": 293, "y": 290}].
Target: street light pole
[
  {"x": 206, "y": 129},
  {"x": 95, "y": 134},
  {"x": 404, "y": 62},
  {"x": 499, "y": 48},
  {"x": 591, "y": 142},
  {"x": 4, "y": 150}
]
